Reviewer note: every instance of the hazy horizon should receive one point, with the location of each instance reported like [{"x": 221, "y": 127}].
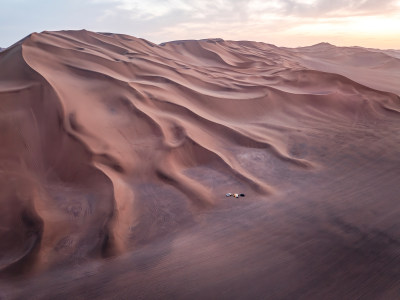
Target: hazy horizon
[{"x": 290, "y": 23}]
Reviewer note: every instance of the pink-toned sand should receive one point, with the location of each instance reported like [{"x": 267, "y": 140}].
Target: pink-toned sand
[{"x": 116, "y": 155}]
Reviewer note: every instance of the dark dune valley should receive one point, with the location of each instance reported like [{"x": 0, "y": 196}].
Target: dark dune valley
[{"x": 116, "y": 155}]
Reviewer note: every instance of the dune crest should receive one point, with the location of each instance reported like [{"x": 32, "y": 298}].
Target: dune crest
[{"x": 114, "y": 143}]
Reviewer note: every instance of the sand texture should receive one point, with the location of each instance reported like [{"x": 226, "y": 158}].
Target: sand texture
[{"x": 116, "y": 155}]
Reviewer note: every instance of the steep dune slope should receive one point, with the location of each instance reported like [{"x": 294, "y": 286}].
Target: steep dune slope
[{"x": 117, "y": 154}]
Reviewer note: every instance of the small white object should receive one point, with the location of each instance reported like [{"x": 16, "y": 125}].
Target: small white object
[{"x": 236, "y": 195}]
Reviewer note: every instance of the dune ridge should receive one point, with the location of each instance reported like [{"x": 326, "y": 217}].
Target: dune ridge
[{"x": 115, "y": 144}]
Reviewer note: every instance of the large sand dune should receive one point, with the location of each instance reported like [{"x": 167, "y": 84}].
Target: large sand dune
[{"x": 116, "y": 155}]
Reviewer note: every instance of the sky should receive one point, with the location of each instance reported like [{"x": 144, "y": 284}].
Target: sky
[{"x": 291, "y": 23}]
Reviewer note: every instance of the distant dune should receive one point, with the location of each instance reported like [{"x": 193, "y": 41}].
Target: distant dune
[{"x": 116, "y": 155}]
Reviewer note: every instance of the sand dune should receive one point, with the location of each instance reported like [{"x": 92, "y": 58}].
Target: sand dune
[{"x": 117, "y": 154}]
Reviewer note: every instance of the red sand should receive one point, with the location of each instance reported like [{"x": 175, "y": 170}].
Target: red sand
[{"x": 116, "y": 155}]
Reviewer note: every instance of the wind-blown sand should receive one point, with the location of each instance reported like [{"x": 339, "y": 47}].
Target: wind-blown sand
[{"x": 116, "y": 155}]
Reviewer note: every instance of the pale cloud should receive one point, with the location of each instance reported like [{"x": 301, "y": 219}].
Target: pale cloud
[
  {"x": 150, "y": 9},
  {"x": 300, "y": 8},
  {"x": 282, "y": 22}
]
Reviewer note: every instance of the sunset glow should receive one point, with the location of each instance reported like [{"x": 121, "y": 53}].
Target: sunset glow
[{"x": 285, "y": 23}]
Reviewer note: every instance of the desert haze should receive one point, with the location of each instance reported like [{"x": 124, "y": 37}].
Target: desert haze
[{"x": 116, "y": 155}]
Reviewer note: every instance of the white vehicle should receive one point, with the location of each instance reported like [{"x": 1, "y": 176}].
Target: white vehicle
[{"x": 234, "y": 195}]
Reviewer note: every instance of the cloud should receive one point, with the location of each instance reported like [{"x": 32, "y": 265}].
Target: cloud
[
  {"x": 274, "y": 21},
  {"x": 247, "y": 9},
  {"x": 337, "y": 8},
  {"x": 283, "y": 22}
]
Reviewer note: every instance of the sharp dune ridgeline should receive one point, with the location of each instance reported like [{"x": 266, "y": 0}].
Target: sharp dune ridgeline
[{"x": 116, "y": 155}]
